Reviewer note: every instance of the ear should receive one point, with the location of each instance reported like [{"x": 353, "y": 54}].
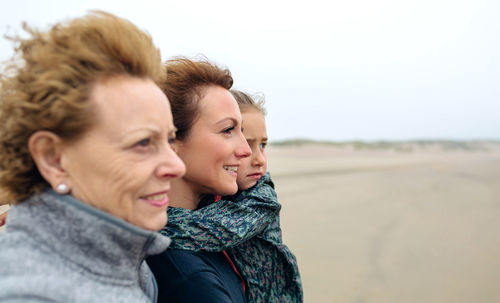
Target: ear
[{"x": 45, "y": 148}]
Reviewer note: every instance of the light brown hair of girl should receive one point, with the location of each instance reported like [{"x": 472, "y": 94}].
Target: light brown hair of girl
[{"x": 247, "y": 102}]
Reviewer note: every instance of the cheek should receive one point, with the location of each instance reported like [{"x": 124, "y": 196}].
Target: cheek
[
  {"x": 194, "y": 161},
  {"x": 218, "y": 153},
  {"x": 118, "y": 180},
  {"x": 205, "y": 150},
  {"x": 245, "y": 164},
  {"x": 230, "y": 145},
  {"x": 121, "y": 189},
  {"x": 130, "y": 173}
]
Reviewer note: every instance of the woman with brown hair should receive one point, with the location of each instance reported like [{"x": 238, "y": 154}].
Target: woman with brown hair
[
  {"x": 211, "y": 143},
  {"x": 86, "y": 161},
  {"x": 246, "y": 224}
]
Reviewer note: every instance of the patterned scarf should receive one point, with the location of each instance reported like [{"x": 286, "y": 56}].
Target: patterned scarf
[{"x": 246, "y": 224}]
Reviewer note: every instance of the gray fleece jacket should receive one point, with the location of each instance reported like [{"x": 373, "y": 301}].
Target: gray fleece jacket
[{"x": 57, "y": 249}]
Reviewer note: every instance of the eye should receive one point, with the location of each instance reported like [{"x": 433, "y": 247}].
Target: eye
[
  {"x": 171, "y": 140},
  {"x": 143, "y": 143},
  {"x": 228, "y": 130},
  {"x": 263, "y": 145}
]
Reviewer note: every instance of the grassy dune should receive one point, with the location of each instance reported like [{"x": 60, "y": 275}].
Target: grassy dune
[{"x": 403, "y": 146}]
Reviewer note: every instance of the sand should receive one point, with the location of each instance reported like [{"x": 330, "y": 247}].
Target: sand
[
  {"x": 391, "y": 226},
  {"x": 411, "y": 224}
]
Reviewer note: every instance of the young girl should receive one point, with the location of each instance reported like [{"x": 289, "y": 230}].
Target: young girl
[{"x": 247, "y": 224}]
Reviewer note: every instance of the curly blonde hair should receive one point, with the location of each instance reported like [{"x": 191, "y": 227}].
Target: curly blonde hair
[{"x": 49, "y": 88}]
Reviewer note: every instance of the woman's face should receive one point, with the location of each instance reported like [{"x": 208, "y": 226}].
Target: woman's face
[
  {"x": 253, "y": 167},
  {"x": 124, "y": 164},
  {"x": 215, "y": 145}
]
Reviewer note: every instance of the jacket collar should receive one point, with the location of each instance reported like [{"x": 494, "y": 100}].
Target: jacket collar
[{"x": 94, "y": 241}]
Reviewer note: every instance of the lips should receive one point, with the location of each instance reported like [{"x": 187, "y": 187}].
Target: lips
[
  {"x": 159, "y": 199},
  {"x": 256, "y": 176}
]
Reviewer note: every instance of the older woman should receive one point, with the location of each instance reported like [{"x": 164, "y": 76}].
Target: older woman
[
  {"x": 211, "y": 143},
  {"x": 87, "y": 163}
]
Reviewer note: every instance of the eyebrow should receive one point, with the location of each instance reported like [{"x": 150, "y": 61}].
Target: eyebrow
[
  {"x": 228, "y": 118},
  {"x": 253, "y": 139},
  {"x": 152, "y": 130}
]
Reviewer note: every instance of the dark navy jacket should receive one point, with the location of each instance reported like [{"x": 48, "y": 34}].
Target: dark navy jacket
[{"x": 195, "y": 277}]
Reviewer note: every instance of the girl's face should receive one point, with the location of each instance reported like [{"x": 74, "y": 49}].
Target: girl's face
[
  {"x": 215, "y": 146},
  {"x": 253, "y": 167}
]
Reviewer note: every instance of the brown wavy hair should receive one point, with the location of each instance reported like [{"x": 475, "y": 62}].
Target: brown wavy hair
[
  {"x": 46, "y": 86},
  {"x": 185, "y": 84}
]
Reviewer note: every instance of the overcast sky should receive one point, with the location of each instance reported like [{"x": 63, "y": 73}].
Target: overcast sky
[{"x": 332, "y": 70}]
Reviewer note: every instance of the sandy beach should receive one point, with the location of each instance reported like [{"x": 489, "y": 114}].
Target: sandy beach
[
  {"x": 411, "y": 224},
  {"x": 408, "y": 223}
]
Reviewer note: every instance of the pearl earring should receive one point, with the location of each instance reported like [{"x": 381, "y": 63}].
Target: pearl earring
[{"x": 62, "y": 189}]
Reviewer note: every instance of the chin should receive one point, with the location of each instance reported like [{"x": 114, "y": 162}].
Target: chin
[
  {"x": 153, "y": 224},
  {"x": 227, "y": 190},
  {"x": 246, "y": 185}
]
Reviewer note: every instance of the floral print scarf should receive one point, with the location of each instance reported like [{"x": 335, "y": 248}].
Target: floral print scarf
[{"x": 247, "y": 225}]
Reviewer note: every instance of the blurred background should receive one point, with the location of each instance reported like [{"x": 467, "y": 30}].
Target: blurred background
[
  {"x": 386, "y": 120},
  {"x": 331, "y": 70}
]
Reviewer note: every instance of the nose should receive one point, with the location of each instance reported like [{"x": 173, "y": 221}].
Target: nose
[
  {"x": 243, "y": 150},
  {"x": 171, "y": 166},
  {"x": 258, "y": 158}
]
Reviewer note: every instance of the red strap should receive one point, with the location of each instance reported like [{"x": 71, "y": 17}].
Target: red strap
[
  {"x": 235, "y": 270},
  {"x": 217, "y": 198}
]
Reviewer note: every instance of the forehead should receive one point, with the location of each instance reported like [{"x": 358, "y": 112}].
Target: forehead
[
  {"x": 254, "y": 124},
  {"x": 218, "y": 103},
  {"x": 127, "y": 100},
  {"x": 253, "y": 117}
]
